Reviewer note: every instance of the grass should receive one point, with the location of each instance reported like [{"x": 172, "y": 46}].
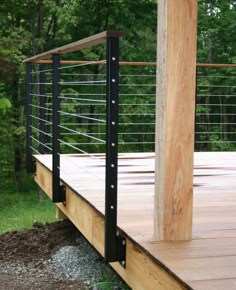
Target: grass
[{"x": 21, "y": 210}]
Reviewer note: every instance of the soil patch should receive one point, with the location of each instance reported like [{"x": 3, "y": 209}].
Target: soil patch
[{"x": 25, "y": 255}]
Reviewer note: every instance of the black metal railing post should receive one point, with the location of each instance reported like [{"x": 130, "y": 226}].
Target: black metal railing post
[
  {"x": 42, "y": 129},
  {"x": 29, "y": 157},
  {"x": 58, "y": 193},
  {"x": 112, "y": 103}
]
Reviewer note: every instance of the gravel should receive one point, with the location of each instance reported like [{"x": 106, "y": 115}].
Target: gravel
[
  {"x": 83, "y": 263},
  {"x": 52, "y": 257}
]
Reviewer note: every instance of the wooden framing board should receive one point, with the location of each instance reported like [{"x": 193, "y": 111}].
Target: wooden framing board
[
  {"x": 134, "y": 63},
  {"x": 99, "y": 62},
  {"x": 76, "y": 46},
  {"x": 175, "y": 110},
  {"x": 141, "y": 272},
  {"x": 209, "y": 259}
]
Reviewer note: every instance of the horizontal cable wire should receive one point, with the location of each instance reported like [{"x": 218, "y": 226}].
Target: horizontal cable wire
[
  {"x": 82, "y": 134},
  {"x": 216, "y": 123},
  {"x": 39, "y": 107},
  {"x": 132, "y": 124},
  {"x": 81, "y": 116},
  {"x": 79, "y": 65},
  {"x": 38, "y": 95},
  {"x": 119, "y": 143},
  {"x": 223, "y": 105},
  {"x": 37, "y": 118},
  {"x": 128, "y": 133},
  {"x": 138, "y": 85},
  {"x": 134, "y": 75},
  {"x": 135, "y": 104},
  {"x": 36, "y": 140},
  {"x": 215, "y": 86},
  {"x": 43, "y": 70},
  {"x": 138, "y": 95},
  {"x": 210, "y": 95},
  {"x": 34, "y": 149},
  {"x": 87, "y": 104},
  {"x": 86, "y": 143},
  {"x": 132, "y": 143},
  {"x": 216, "y": 133},
  {"x": 137, "y": 133},
  {"x": 216, "y": 76},
  {"x": 87, "y": 124},
  {"x": 82, "y": 83},
  {"x": 120, "y": 114},
  {"x": 218, "y": 141},
  {"x": 79, "y": 149},
  {"x": 83, "y": 94},
  {"x": 48, "y": 83},
  {"x": 38, "y": 130},
  {"x": 82, "y": 99},
  {"x": 81, "y": 74},
  {"x": 215, "y": 114},
  {"x": 100, "y": 124}
]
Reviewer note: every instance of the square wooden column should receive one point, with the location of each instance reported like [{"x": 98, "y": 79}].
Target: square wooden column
[{"x": 176, "y": 72}]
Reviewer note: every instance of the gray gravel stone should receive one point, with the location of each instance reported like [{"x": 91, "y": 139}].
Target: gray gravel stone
[{"x": 83, "y": 263}]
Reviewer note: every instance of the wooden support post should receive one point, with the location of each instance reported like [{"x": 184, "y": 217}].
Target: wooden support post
[
  {"x": 176, "y": 56},
  {"x": 60, "y": 214}
]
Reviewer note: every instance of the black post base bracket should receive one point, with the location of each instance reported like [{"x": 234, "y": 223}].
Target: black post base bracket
[
  {"x": 31, "y": 166},
  {"x": 60, "y": 195},
  {"x": 121, "y": 250}
]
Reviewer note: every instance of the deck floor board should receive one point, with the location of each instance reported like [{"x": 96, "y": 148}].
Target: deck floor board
[{"x": 206, "y": 262}]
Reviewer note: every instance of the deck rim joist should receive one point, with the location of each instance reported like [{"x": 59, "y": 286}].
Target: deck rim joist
[
  {"x": 141, "y": 242},
  {"x": 141, "y": 249}
]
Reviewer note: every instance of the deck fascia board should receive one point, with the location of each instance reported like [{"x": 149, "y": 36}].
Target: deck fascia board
[
  {"x": 142, "y": 270},
  {"x": 209, "y": 257}
]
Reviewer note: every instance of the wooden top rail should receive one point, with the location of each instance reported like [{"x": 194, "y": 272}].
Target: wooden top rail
[
  {"x": 99, "y": 62},
  {"x": 228, "y": 65},
  {"x": 76, "y": 46},
  {"x": 130, "y": 63}
]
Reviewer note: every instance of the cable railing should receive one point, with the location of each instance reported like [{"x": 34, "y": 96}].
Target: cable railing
[
  {"x": 137, "y": 109},
  {"x": 73, "y": 108},
  {"x": 215, "y": 128},
  {"x": 105, "y": 107},
  {"x": 83, "y": 108}
]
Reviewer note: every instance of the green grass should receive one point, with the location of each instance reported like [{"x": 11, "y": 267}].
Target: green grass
[{"x": 21, "y": 210}]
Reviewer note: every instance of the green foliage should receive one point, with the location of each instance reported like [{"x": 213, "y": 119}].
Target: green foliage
[
  {"x": 104, "y": 286},
  {"x": 4, "y": 104},
  {"x": 216, "y": 40},
  {"x": 20, "y": 210},
  {"x": 109, "y": 286},
  {"x": 28, "y": 28}
]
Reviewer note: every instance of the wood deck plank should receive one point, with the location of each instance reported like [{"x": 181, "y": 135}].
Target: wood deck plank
[{"x": 208, "y": 261}]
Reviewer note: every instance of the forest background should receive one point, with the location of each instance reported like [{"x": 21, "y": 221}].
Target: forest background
[{"x": 31, "y": 27}]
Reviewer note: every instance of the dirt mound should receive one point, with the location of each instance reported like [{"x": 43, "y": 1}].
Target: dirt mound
[
  {"x": 24, "y": 256},
  {"x": 40, "y": 242}
]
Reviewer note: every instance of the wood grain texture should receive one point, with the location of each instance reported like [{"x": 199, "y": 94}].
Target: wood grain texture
[
  {"x": 60, "y": 214},
  {"x": 177, "y": 25},
  {"x": 135, "y": 63},
  {"x": 141, "y": 272},
  {"x": 76, "y": 46},
  {"x": 99, "y": 62},
  {"x": 209, "y": 260}
]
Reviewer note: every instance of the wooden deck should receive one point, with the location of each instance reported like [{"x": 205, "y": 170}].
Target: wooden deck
[{"x": 208, "y": 262}]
